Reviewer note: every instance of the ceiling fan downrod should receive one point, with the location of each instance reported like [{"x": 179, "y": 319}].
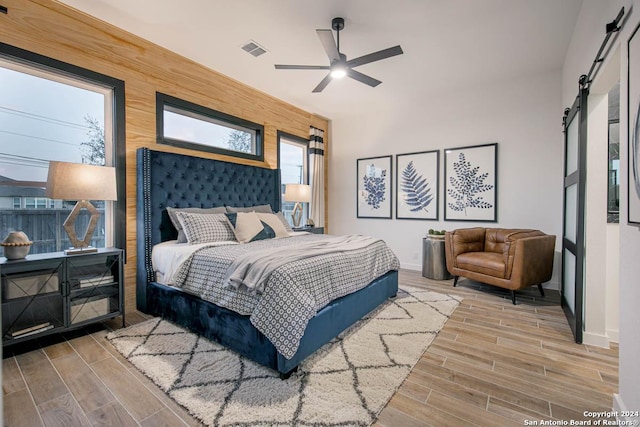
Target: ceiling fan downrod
[{"x": 337, "y": 24}]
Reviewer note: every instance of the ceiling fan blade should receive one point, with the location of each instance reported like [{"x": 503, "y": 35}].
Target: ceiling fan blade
[
  {"x": 302, "y": 67},
  {"x": 329, "y": 44},
  {"x": 375, "y": 56},
  {"x": 363, "y": 78},
  {"x": 323, "y": 83}
]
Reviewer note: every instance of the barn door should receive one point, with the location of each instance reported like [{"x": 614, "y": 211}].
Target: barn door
[{"x": 575, "y": 150}]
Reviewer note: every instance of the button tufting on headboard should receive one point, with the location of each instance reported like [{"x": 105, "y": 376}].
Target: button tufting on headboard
[{"x": 176, "y": 180}]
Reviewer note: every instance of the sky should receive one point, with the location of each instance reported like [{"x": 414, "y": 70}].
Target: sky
[{"x": 42, "y": 120}]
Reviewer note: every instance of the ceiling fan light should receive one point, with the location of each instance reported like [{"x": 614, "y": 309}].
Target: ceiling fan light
[{"x": 338, "y": 71}]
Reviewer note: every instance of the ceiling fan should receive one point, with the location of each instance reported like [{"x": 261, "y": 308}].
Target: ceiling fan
[{"x": 339, "y": 66}]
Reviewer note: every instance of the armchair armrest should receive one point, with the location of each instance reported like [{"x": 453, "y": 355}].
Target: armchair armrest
[
  {"x": 457, "y": 242},
  {"x": 530, "y": 259}
]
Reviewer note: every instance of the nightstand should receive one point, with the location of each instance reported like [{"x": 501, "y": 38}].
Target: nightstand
[
  {"x": 314, "y": 230},
  {"x": 50, "y": 293}
]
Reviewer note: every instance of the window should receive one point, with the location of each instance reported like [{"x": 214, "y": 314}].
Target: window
[
  {"x": 613, "y": 193},
  {"x": 50, "y": 110},
  {"x": 293, "y": 162},
  {"x": 187, "y": 125},
  {"x": 34, "y": 203}
]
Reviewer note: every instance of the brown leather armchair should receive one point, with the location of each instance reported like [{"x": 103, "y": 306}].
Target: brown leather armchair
[{"x": 509, "y": 258}]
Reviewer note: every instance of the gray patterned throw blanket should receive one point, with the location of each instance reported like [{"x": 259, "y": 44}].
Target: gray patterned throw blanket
[{"x": 293, "y": 292}]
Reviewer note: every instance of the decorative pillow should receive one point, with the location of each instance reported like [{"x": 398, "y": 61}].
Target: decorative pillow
[
  {"x": 248, "y": 227},
  {"x": 274, "y": 222},
  {"x": 174, "y": 219},
  {"x": 284, "y": 221},
  {"x": 258, "y": 208},
  {"x": 204, "y": 228}
]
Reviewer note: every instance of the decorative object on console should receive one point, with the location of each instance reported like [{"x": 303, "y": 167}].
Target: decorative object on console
[
  {"x": 299, "y": 193},
  {"x": 16, "y": 245},
  {"x": 435, "y": 234},
  {"x": 470, "y": 183},
  {"x": 81, "y": 182},
  {"x": 374, "y": 181},
  {"x": 417, "y": 185}
]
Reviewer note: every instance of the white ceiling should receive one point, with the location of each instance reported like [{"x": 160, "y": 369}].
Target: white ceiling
[{"x": 448, "y": 44}]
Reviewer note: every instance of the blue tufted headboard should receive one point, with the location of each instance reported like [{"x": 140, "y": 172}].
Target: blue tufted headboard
[{"x": 177, "y": 180}]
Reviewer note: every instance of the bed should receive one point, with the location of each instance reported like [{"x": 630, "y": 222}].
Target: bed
[{"x": 175, "y": 180}]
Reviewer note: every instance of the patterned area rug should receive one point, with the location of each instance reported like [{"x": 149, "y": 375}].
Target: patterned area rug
[{"x": 345, "y": 383}]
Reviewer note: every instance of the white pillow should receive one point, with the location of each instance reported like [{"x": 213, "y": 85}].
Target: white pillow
[{"x": 204, "y": 228}]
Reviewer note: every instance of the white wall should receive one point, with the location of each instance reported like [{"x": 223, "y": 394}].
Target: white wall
[
  {"x": 598, "y": 308},
  {"x": 613, "y": 277},
  {"x": 524, "y": 117},
  {"x": 587, "y": 37}
]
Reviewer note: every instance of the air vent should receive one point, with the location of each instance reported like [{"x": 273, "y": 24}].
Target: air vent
[{"x": 253, "y": 48}]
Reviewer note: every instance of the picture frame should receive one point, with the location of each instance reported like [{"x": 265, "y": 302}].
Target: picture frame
[
  {"x": 374, "y": 180},
  {"x": 633, "y": 128},
  {"x": 470, "y": 183},
  {"x": 417, "y": 185}
]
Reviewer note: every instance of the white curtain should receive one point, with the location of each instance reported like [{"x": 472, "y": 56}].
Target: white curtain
[{"x": 316, "y": 173}]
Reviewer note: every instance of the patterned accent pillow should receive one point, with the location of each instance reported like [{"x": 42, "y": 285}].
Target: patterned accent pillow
[
  {"x": 258, "y": 208},
  {"x": 274, "y": 222},
  {"x": 174, "y": 219},
  {"x": 284, "y": 221},
  {"x": 204, "y": 228},
  {"x": 248, "y": 227}
]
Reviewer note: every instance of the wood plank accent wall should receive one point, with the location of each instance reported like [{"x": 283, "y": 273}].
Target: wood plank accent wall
[{"x": 55, "y": 30}]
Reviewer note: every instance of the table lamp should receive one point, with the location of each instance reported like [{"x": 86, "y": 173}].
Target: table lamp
[
  {"x": 81, "y": 182},
  {"x": 299, "y": 193}
]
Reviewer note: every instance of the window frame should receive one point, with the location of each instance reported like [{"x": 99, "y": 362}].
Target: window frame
[
  {"x": 302, "y": 142},
  {"x": 118, "y": 153},
  {"x": 217, "y": 117},
  {"x": 613, "y": 216}
]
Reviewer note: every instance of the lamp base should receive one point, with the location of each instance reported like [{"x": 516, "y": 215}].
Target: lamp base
[
  {"x": 296, "y": 215},
  {"x": 79, "y": 251}
]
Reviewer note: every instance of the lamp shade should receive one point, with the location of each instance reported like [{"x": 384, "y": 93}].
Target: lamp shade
[
  {"x": 297, "y": 193},
  {"x": 77, "y": 181}
]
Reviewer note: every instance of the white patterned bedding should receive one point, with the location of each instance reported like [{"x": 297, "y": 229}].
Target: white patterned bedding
[{"x": 293, "y": 293}]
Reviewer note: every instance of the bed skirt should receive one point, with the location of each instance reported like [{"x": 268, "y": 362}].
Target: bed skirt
[{"x": 236, "y": 332}]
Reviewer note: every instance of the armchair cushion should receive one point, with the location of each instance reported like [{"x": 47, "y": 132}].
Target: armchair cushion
[{"x": 490, "y": 263}]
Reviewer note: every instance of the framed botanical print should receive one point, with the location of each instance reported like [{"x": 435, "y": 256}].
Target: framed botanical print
[
  {"x": 374, "y": 181},
  {"x": 417, "y": 185},
  {"x": 470, "y": 183}
]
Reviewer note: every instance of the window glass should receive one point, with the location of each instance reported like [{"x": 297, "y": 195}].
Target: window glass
[
  {"x": 46, "y": 116},
  {"x": 613, "y": 187},
  {"x": 293, "y": 170},
  {"x": 192, "y": 126}
]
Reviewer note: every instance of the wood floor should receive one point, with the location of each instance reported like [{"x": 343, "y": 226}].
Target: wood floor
[{"x": 493, "y": 364}]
